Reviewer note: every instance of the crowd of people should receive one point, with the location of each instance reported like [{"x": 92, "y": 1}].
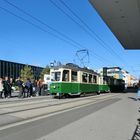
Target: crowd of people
[{"x": 26, "y": 89}]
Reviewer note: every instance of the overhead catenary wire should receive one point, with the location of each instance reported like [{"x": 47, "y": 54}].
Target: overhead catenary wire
[
  {"x": 78, "y": 45},
  {"x": 36, "y": 26},
  {"x": 40, "y": 21},
  {"x": 70, "y": 17},
  {"x": 54, "y": 3},
  {"x": 42, "y": 29},
  {"x": 90, "y": 29},
  {"x": 96, "y": 37}
]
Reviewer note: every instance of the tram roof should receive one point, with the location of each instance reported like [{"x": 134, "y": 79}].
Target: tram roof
[{"x": 75, "y": 68}]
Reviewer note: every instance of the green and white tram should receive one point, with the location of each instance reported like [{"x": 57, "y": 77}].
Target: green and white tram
[{"x": 71, "y": 80}]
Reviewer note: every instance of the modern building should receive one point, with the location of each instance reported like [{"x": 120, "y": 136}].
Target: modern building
[
  {"x": 12, "y": 69},
  {"x": 132, "y": 81},
  {"x": 119, "y": 73},
  {"x": 115, "y": 72}
]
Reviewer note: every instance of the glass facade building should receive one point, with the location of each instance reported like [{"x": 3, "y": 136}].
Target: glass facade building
[{"x": 12, "y": 69}]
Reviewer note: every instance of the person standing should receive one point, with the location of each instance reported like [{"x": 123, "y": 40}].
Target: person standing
[
  {"x": 20, "y": 87},
  {"x": 40, "y": 87},
  {"x": 7, "y": 87},
  {"x": 35, "y": 89},
  {"x": 1, "y": 88},
  {"x": 11, "y": 85},
  {"x": 31, "y": 89},
  {"x": 28, "y": 87}
]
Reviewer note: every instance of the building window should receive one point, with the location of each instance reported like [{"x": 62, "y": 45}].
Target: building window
[{"x": 8, "y": 69}]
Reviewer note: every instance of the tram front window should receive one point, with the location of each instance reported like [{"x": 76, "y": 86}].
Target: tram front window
[{"x": 56, "y": 76}]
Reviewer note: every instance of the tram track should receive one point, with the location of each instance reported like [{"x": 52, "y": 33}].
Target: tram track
[
  {"x": 42, "y": 104},
  {"x": 46, "y": 106},
  {"x": 22, "y": 100},
  {"x": 23, "y": 103},
  {"x": 53, "y": 110},
  {"x": 18, "y": 103}
]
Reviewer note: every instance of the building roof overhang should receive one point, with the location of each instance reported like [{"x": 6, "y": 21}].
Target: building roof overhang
[{"x": 123, "y": 19}]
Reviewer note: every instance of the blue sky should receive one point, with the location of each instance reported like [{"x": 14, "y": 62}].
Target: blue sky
[{"x": 24, "y": 43}]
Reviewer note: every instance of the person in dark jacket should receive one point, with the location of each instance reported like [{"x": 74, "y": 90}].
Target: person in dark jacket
[
  {"x": 7, "y": 87},
  {"x": 28, "y": 87},
  {"x": 31, "y": 89},
  {"x": 21, "y": 87}
]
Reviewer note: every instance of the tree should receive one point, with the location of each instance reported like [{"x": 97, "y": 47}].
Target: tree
[
  {"x": 26, "y": 72},
  {"x": 45, "y": 71}
]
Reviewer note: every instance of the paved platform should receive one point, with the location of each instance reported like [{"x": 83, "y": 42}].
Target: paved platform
[
  {"x": 110, "y": 119},
  {"x": 114, "y": 122}
]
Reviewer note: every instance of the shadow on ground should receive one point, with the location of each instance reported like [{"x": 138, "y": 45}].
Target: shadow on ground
[{"x": 133, "y": 98}]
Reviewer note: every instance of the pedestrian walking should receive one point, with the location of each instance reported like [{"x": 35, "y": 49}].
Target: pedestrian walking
[{"x": 1, "y": 88}]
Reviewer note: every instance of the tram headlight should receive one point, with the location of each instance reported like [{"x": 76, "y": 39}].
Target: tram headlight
[{"x": 54, "y": 86}]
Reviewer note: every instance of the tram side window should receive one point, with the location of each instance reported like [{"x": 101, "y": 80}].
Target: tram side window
[
  {"x": 84, "y": 77},
  {"x": 74, "y": 76},
  {"x": 94, "y": 79},
  {"x": 90, "y": 78},
  {"x": 104, "y": 81},
  {"x": 65, "y": 75}
]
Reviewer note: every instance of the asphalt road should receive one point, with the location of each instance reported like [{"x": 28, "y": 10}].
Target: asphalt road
[{"x": 110, "y": 119}]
